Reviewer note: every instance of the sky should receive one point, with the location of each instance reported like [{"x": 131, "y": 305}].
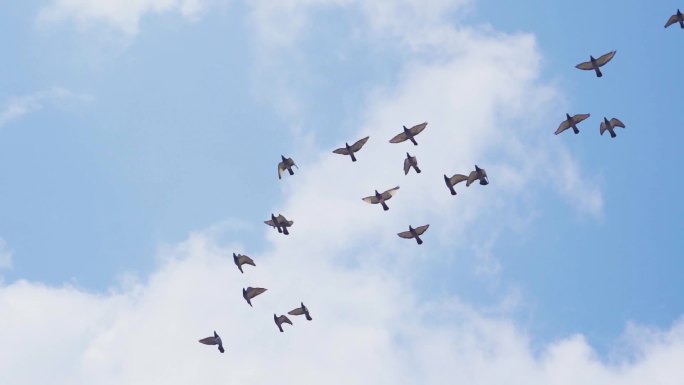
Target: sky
[{"x": 138, "y": 149}]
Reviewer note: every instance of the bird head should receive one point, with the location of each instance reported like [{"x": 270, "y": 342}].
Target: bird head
[
  {"x": 591, "y": 58},
  {"x": 283, "y": 158},
  {"x": 567, "y": 116},
  {"x": 215, "y": 335},
  {"x": 408, "y": 155}
]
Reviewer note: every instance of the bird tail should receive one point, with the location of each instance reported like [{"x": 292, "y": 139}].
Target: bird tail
[
  {"x": 598, "y": 73},
  {"x": 417, "y": 169},
  {"x": 280, "y": 328},
  {"x": 285, "y": 231},
  {"x": 384, "y": 206},
  {"x": 290, "y": 171},
  {"x": 420, "y": 241},
  {"x": 221, "y": 349},
  {"x": 612, "y": 134},
  {"x": 413, "y": 141},
  {"x": 575, "y": 129},
  {"x": 308, "y": 317},
  {"x": 240, "y": 267},
  {"x": 353, "y": 157}
]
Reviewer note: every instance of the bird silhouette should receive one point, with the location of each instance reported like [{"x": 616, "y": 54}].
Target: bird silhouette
[
  {"x": 479, "y": 174},
  {"x": 409, "y": 162},
  {"x": 280, "y": 223},
  {"x": 242, "y": 260},
  {"x": 381, "y": 198},
  {"x": 279, "y": 320},
  {"x": 285, "y": 164},
  {"x": 214, "y": 340},
  {"x": 414, "y": 233},
  {"x": 350, "y": 150},
  {"x": 455, "y": 179},
  {"x": 409, "y": 133},
  {"x": 676, "y": 18},
  {"x": 595, "y": 64},
  {"x": 251, "y": 292},
  {"x": 571, "y": 121},
  {"x": 609, "y": 125},
  {"x": 301, "y": 310}
]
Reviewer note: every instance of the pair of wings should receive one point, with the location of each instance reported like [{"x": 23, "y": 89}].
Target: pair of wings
[
  {"x": 385, "y": 196},
  {"x": 458, "y": 178},
  {"x": 601, "y": 61},
  {"x": 676, "y": 18},
  {"x": 243, "y": 259},
  {"x": 615, "y": 122},
  {"x": 419, "y": 230},
  {"x": 354, "y": 147},
  {"x": 283, "y": 165},
  {"x": 407, "y": 163},
  {"x": 415, "y": 130},
  {"x": 282, "y": 319},
  {"x": 567, "y": 123},
  {"x": 281, "y": 222},
  {"x": 252, "y": 292}
]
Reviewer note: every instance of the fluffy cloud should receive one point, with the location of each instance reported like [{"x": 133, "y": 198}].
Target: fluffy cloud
[{"x": 20, "y": 106}]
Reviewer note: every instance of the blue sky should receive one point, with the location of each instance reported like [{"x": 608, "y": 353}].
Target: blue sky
[{"x": 132, "y": 136}]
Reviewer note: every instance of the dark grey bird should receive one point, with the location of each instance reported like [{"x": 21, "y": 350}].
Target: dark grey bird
[
  {"x": 280, "y": 320},
  {"x": 451, "y": 182},
  {"x": 301, "y": 310},
  {"x": 242, "y": 260},
  {"x": 479, "y": 174},
  {"x": 350, "y": 150},
  {"x": 609, "y": 125},
  {"x": 285, "y": 164},
  {"x": 280, "y": 223},
  {"x": 594, "y": 64},
  {"x": 409, "y": 162},
  {"x": 571, "y": 121},
  {"x": 381, "y": 198},
  {"x": 414, "y": 233},
  {"x": 409, "y": 133},
  {"x": 251, "y": 292},
  {"x": 676, "y": 18},
  {"x": 215, "y": 340}
]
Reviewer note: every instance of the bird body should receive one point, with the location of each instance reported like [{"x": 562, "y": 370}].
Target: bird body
[
  {"x": 214, "y": 340},
  {"x": 242, "y": 260},
  {"x": 381, "y": 198},
  {"x": 676, "y": 18},
  {"x": 409, "y": 162},
  {"x": 285, "y": 164},
  {"x": 571, "y": 121},
  {"x": 595, "y": 64},
  {"x": 609, "y": 125},
  {"x": 301, "y": 310},
  {"x": 350, "y": 150},
  {"x": 280, "y": 320},
  {"x": 414, "y": 233},
  {"x": 280, "y": 223},
  {"x": 409, "y": 133},
  {"x": 251, "y": 292}
]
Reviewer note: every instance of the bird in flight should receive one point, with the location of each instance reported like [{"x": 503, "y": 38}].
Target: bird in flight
[
  {"x": 455, "y": 179},
  {"x": 571, "y": 121},
  {"x": 350, "y": 150},
  {"x": 214, "y": 340},
  {"x": 285, "y": 164},
  {"x": 409, "y": 133},
  {"x": 409, "y": 162},
  {"x": 414, "y": 233},
  {"x": 242, "y": 260},
  {"x": 251, "y": 292},
  {"x": 301, "y": 310},
  {"x": 609, "y": 125},
  {"x": 279, "y": 320},
  {"x": 676, "y": 18},
  {"x": 280, "y": 223},
  {"x": 381, "y": 198},
  {"x": 479, "y": 174},
  {"x": 594, "y": 64}
]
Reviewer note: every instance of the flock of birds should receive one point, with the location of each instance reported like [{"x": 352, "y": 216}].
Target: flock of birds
[{"x": 281, "y": 224}]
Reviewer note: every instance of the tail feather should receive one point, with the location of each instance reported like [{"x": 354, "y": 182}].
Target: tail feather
[
  {"x": 290, "y": 171},
  {"x": 308, "y": 317},
  {"x": 285, "y": 231},
  {"x": 417, "y": 169},
  {"x": 575, "y": 130},
  {"x": 599, "y": 73},
  {"x": 384, "y": 206},
  {"x": 352, "y": 156},
  {"x": 413, "y": 141},
  {"x": 420, "y": 241},
  {"x": 612, "y": 134}
]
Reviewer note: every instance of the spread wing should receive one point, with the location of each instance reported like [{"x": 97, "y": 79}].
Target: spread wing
[
  {"x": 281, "y": 168},
  {"x": 405, "y": 234},
  {"x": 297, "y": 311},
  {"x": 407, "y": 165},
  {"x": 415, "y": 130},
  {"x": 601, "y": 61},
  {"x": 563, "y": 126},
  {"x": 341, "y": 151},
  {"x": 457, "y": 178},
  {"x": 291, "y": 162},
  {"x": 421, "y": 229},
  {"x": 603, "y": 127},
  {"x": 254, "y": 291},
  {"x": 283, "y": 319},
  {"x": 399, "y": 138},
  {"x": 472, "y": 177},
  {"x": 209, "y": 341},
  {"x": 359, "y": 143},
  {"x": 615, "y": 122},
  {"x": 580, "y": 117},
  {"x": 242, "y": 259},
  {"x": 390, "y": 193},
  {"x": 270, "y": 223},
  {"x": 371, "y": 199},
  {"x": 585, "y": 66},
  {"x": 673, "y": 19}
]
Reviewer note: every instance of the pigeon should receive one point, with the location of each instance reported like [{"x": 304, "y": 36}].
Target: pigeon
[
  {"x": 301, "y": 310},
  {"x": 285, "y": 164},
  {"x": 215, "y": 340},
  {"x": 280, "y": 223},
  {"x": 350, "y": 150},
  {"x": 610, "y": 125},
  {"x": 451, "y": 182},
  {"x": 414, "y": 233},
  {"x": 242, "y": 260},
  {"x": 409, "y": 134},
  {"x": 571, "y": 121},
  {"x": 480, "y": 174},
  {"x": 381, "y": 198},
  {"x": 251, "y": 292},
  {"x": 594, "y": 64},
  {"x": 676, "y": 18},
  {"x": 409, "y": 162},
  {"x": 279, "y": 320}
]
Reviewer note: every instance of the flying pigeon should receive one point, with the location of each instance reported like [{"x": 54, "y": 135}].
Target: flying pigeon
[
  {"x": 610, "y": 125},
  {"x": 381, "y": 198},
  {"x": 350, "y": 150},
  {"x": 409, "y": 134},
  {"x": 480, "y": 174},
  {"x": 215, "y": 340},
  {"x": 285, "y": 164},
  {"x": 571, "y": 121},
  {"x": 451, "y": 182},
  {"x": 301, "y": 310},
  {"x": 409, "y": 162},
  {"x": 280, "y": 223},
  {"x": 676, "y": 18},
  {"x": 279, "y": 320},
  {"x": 242, "y": 260},
  {"x": 414, "y": 233},
  {"x": 251, "y": 292},
  {"x": 594, "y": 64}
]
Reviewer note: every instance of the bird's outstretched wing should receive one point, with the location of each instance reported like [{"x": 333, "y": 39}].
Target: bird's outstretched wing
[
  {"x": 405, "y": 234},
  {"x": 563, "y": 126},
  {"x": 457, "y": 178},
  {"x": 359, "y": 143},
  {"x": 421, "y": 229},
  {"x": 243, "y": 259},
  {"x": 297, "y": 311},
  {"x": 472, "y": 177},
  {"x": 603, "y": 127},
  {"x": 399, "y": 138},
  {"x": 585, "y": 66},
  {"x": 281, "y": 168},
  {"x": 341, "y": 151},
  {"x": 283, "y": 319},
  {"x": 254, "y": 291},
  {"x": 602, "y": 60},
  {"x": 371, "y": 199},
  {"x": 407, "y": 166},
  {"x": 209, "y": 341},
  {"x": 390, "y": 193},
  {"x": 615, "y": 122},
  {"x": 673, "y": 19},
  {"x": 415, "y": 130},
  {"x": 580, "y": 117},
  {"x": 270, "y": 223}
]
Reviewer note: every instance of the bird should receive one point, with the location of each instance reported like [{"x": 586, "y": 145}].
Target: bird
[
  {"x": 455, "y": 179},
  {"x": 594, "y": 64},
  {"x": 409, "y": 162},
  {"x": 285, "y": 164},
  {"x": 301, "y": 310},
  {"x": 251, "y": 292},
  {"x": 409, "y": 134},
  {"x": 571, "y": 121},
  {"x": 215, "y": 340},
  {"x": 381, "y": 198},
  {"x": 280, "y": 223},
  {"x": 279, "y": 320},
  {"x": 350, "y": 150},
  {"x": 414, "y": 233},
  {"x": 610, "y": 125},
  {"x": 478, "y": 174},
  {"x": 676, "y": 18},
  {"x": 242, "y": 260}
]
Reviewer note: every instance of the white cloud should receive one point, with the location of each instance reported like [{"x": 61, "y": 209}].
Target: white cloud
[
  {"x": 20, "y": 106},
  {"x": 5, "y": 255}
]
